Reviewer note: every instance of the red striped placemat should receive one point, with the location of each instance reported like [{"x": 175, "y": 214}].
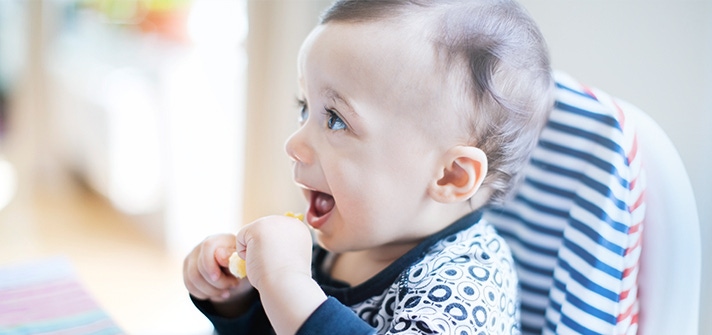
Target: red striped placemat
[{"x": 46, "y": 297}]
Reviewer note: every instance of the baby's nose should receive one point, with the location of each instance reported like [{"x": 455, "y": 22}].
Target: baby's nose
[{"x": 297, "y": 147}]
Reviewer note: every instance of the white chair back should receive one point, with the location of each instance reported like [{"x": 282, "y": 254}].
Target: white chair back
[
  {"x": 670, "y": 272},
  {"x": 597, "y": 252}
]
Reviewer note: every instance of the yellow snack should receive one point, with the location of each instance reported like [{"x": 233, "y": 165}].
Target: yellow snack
[
  {"x": 298, "y": 216},
  {"x": 237, "y": 265}
]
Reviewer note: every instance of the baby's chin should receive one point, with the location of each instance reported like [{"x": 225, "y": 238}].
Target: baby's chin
[{"x": 338, "y": 244}]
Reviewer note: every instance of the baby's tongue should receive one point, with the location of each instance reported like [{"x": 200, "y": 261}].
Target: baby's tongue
[{"x": 323, "y": 203}]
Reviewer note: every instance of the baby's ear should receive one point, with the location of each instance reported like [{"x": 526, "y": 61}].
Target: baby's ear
[{"x": 462, "y": 171}]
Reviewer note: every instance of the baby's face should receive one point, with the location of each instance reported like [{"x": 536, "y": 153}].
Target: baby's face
[{"x": 374, "y": 125}]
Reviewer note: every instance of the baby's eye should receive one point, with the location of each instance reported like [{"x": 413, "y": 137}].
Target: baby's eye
[
  {"x": 303, "y": 111},
  {"x": 334, "y": 121}
]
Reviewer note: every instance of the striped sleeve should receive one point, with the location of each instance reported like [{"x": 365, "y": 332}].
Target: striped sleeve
[{"x": 575, "y": 223}]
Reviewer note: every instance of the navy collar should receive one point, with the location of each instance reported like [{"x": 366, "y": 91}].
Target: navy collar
[{"x": 377, "y": 284}]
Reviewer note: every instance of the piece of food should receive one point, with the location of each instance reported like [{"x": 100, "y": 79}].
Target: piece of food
[
  {"x": 238, "y": 268},
  {"x": 298, "y": 216},
  {"x": 237, "y": 265}
]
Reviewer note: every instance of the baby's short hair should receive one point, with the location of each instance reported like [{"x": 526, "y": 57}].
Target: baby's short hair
[{"x": 503, "y": 57}]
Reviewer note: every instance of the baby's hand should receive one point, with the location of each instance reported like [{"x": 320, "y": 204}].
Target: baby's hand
[
  {"x": 238, "y": 267},
  {"x": 204, "y": 271},
  {"x": 275, "y": 248}
]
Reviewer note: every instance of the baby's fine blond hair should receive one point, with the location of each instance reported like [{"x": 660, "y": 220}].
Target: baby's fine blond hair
[{"x": 500, "y": 53}]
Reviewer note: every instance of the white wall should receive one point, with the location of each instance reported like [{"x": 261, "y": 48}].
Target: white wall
[
  {"x": 658, "y": 56},
  {"x": 277, "y": 29}
]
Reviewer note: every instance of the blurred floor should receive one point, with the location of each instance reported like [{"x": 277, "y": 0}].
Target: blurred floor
[{"x": 129, "y": 274}]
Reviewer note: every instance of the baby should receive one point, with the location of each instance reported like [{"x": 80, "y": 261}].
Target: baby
[{"x": 414, "y": 115}]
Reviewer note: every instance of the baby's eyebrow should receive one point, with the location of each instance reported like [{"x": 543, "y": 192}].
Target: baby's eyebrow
[{"x": 336, "y": 98}]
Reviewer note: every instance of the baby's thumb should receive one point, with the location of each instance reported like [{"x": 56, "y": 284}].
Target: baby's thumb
[{"x": 222, "y": 256}]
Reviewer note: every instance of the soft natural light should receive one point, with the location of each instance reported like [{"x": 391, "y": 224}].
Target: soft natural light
[
  {"x": 8, "y": 183},
  {"x": 218, "y": 22},
  {"x": 135, "y": 165},
  {"x": 204, "y": 92}
]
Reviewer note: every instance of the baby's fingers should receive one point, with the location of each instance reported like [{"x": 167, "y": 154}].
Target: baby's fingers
[
  {"x": 207, "y": 266},
  {"x": 198, "y": 286},
  {"x": 222, "y": 256},
  {"x": 213, "y": 260}
]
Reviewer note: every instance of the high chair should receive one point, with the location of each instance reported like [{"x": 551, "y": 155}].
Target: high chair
[
  {"x": 603, "y": 228},
  {"x": 670, "y": 270}
]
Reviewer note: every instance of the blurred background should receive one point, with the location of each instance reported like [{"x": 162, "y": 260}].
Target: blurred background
[{"x": 132, "y": 129}]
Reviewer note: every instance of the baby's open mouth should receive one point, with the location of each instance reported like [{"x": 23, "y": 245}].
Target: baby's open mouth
[{"x": 321, "y": 204}]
